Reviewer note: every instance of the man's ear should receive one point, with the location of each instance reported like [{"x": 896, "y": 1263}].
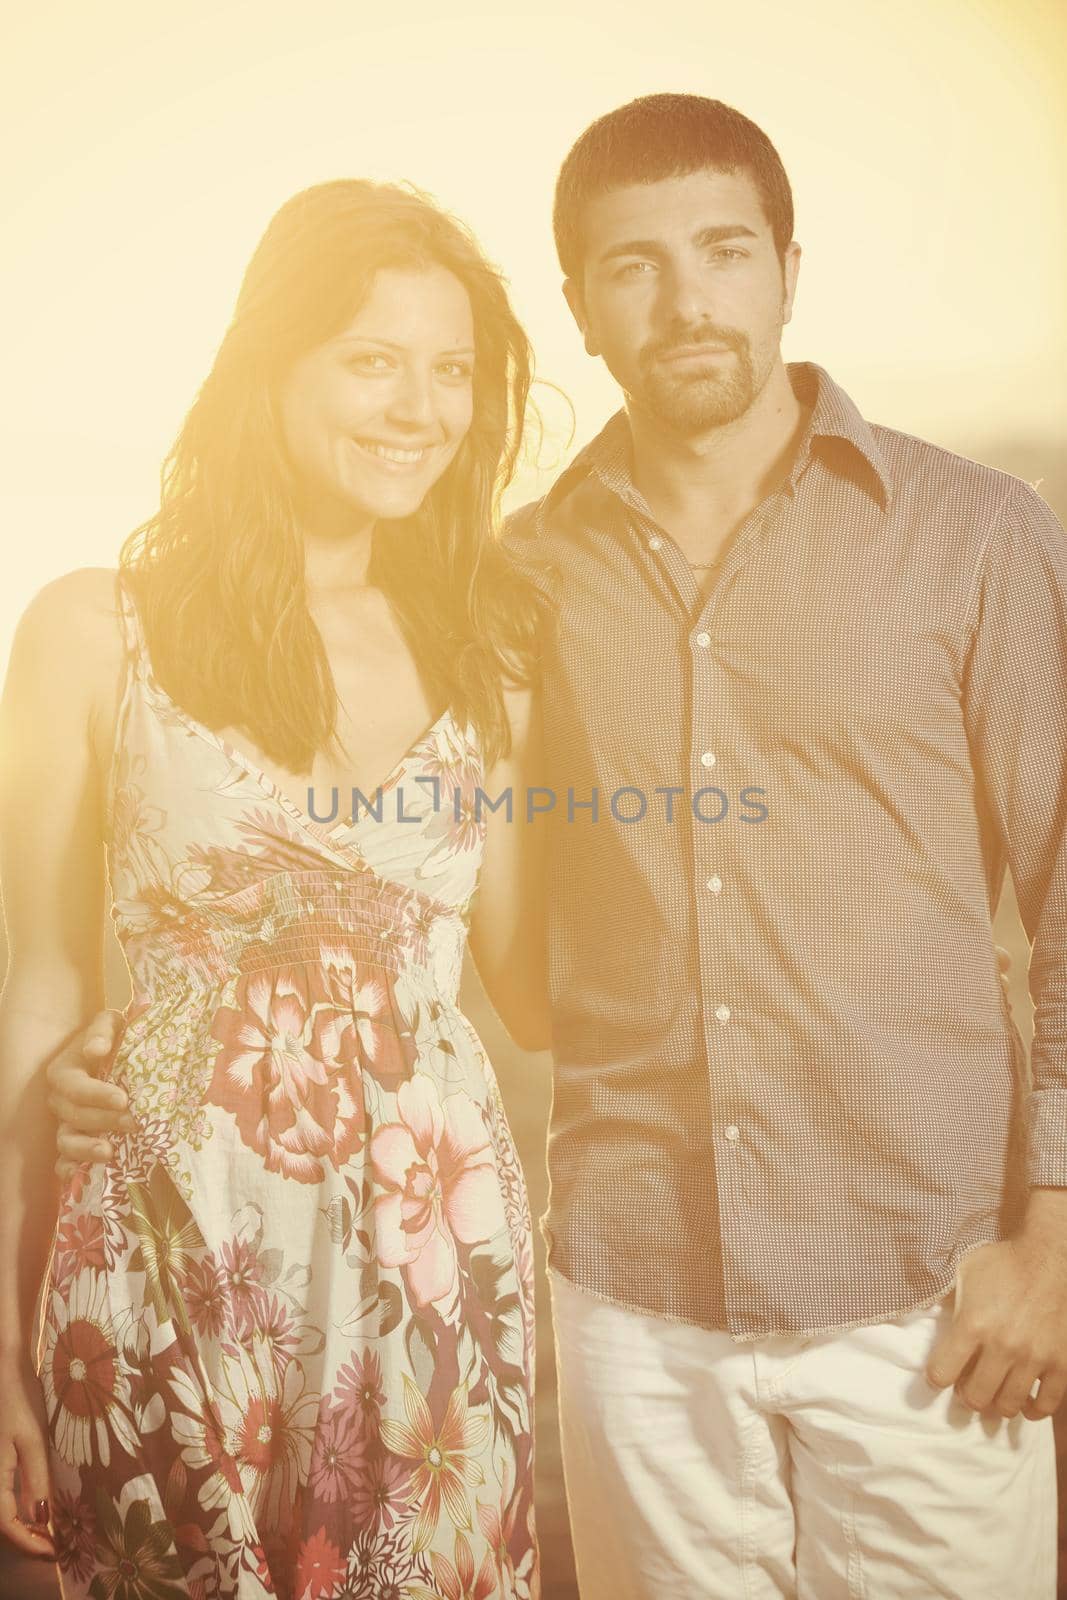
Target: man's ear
[
  {"x": 575, "y": 298},
  {"x": 790, "y": 273}
]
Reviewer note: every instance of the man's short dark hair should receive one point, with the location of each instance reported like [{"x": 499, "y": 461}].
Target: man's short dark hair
[{"x": 665, "y": 136}]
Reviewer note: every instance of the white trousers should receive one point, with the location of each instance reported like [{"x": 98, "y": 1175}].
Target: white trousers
[{"x": 821, "y": 1468}]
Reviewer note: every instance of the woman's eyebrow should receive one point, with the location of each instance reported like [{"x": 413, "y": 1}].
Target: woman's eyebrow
[{"x": 389, "y": 344}]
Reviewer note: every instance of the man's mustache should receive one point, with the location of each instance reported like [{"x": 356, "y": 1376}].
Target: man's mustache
[{"x": 705, "y": 336}]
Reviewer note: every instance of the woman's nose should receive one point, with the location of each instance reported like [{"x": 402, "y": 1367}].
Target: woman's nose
[{"x": 413, "y": 400}]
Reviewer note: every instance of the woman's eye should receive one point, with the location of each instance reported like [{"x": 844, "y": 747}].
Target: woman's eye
[
  {"x": 456, "y": 369},
  {"x": 370, "y": 361}
]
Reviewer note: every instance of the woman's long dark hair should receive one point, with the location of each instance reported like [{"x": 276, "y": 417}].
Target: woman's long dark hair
[{"x": 218, "y": 571}]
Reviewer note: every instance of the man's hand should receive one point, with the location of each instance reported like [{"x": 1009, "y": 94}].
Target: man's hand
[
  {"x": 1009, "y": 1324},
  {"x": 86, "y": 1108}
]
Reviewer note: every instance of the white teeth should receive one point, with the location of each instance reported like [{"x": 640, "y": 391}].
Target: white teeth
[{"x": 402, "y": 457}]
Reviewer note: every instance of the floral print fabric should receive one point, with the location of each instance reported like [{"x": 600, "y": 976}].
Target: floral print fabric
[{"x": 287, "y": 1335}]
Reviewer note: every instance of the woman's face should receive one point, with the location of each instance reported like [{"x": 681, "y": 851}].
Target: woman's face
[{"x": 372, "y": 418}]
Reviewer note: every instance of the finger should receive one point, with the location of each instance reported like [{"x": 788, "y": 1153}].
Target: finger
[
  {"x": 1049, "y": 1397},
  {"x": 976, "y": 1389},
  {"x": 65, "y": 1168},
  {"x": 102, "y": 1035},
  {"x": 1015, "y": 1391},
  {"x": 73, "y": 1084},
  {"x": 35, "y": 1488},
  {"x": 77, "y": 1148},
  {"x": 83, "y": 1119},
  {"x": 954, "y": 1348},
  {"x": 32, "y": 1541}
]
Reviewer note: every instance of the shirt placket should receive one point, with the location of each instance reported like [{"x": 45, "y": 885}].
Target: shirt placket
[{"x": 717, "y": 904}]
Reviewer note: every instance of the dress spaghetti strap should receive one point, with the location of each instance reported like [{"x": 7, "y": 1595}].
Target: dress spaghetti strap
[
  {"x": 136, "y": 674},
  {"x": 130, "y": 623}
]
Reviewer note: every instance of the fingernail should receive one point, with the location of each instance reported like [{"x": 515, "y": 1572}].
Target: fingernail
[
  {"x": 104, "y": 1152},
  {"x": 40, "y": 1511},
  {"x": 127, "y": 1124}
]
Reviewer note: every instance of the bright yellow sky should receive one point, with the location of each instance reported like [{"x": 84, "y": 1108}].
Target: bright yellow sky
[{"x": 146, "y": 147}]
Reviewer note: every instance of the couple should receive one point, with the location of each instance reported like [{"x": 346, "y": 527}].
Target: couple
[{"x": 808, "y": 1219}]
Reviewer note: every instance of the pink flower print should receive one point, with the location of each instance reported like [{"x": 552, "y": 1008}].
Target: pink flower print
[
  {"x": 274, "y": 1324},
  {"x": 358, "y": 1388},
  {"x": 242, "y": 1283},
  {"x": 204, "y": 1293},
  {"x": 359, "y": 1030},
  {"x": 80, "y": 1244},
  {"x": 459, "y": 1582},
  {"x": 320, "y": 1568},
  {"x": 277, "y": 1074},
  {"x": 436, "y": 1169},
  {"x": 75, "y": 1530},
  {"x": 338, "y": 1456},
  {"x": 383, "y": 1493}
]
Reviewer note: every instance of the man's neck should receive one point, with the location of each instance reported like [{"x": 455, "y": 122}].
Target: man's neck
[{"x": 714, "y": 480}]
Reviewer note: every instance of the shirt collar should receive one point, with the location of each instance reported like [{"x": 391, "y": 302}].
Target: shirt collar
[{"x": 835, "y": 422}]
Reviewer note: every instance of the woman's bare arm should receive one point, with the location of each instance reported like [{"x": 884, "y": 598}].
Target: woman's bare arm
[
  {"x": 66, "y": 649},
  {"x": 507, "y": 935}
]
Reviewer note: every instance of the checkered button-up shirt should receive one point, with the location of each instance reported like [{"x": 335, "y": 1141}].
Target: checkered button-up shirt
[{"x": 789, "y": 1094}]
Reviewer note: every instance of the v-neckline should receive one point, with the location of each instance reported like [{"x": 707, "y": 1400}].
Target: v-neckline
[{"x": 240, "y": 759}]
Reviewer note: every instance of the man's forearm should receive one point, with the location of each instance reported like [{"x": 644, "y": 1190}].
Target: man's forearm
[
  {"x": 28, "y": 1040},
  {"x": 1045, "y": 1221}
]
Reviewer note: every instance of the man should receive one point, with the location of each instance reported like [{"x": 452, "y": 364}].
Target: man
[{"x": 804, "y": 703}]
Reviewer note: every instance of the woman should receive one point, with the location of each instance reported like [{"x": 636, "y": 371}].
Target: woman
[{"x": 285, "y": 1341}]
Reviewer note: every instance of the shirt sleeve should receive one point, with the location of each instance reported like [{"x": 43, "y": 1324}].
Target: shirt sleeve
[
  {"x": 1015, "y": 706},
  {"x": 527, "y": 551}
]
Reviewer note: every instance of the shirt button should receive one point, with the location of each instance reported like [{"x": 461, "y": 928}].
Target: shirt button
[
  {"x": 715, "y": 885},
  {"x": 732, "y": 1133},
  {"x": 654, "y": 544},
  {"x": 708, "y": 759},
  {"x": 703, "y": 640},
  {"x": 723, "y": 1013}
]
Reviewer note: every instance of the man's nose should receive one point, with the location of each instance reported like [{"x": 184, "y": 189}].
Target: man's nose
[{"x": 686, "y": 294}]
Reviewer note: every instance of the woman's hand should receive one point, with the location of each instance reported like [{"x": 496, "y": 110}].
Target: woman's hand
[
  {"x": 24, "y": 1447},
  {"x": 86, "y": 1108}
]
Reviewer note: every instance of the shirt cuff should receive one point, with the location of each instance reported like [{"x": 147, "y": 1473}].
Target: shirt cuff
[{"x": 1047, "y": 1155}]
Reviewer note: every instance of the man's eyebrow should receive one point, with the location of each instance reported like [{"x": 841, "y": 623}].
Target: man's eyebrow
[
  {"x": 654, "y": 247},
  {"x": 725, "y": 230}
]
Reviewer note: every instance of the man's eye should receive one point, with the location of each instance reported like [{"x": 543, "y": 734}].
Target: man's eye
[
  {"x": 728, "y": 253},
  {"x": 634, "y": 269}
]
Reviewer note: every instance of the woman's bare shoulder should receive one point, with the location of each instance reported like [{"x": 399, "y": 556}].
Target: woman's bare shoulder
[
  {"x": 75, "y": 609},
  {"x": 69, "y": 639}
]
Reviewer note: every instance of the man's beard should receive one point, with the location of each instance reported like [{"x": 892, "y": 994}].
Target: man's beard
[{"x": 694, "y": 399}]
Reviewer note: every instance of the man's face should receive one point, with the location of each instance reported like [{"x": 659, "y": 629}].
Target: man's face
[{"x": 684, "y": 296}]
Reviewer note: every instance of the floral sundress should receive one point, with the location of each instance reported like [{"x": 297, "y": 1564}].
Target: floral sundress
[{"x": 286, "y": 1338}]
